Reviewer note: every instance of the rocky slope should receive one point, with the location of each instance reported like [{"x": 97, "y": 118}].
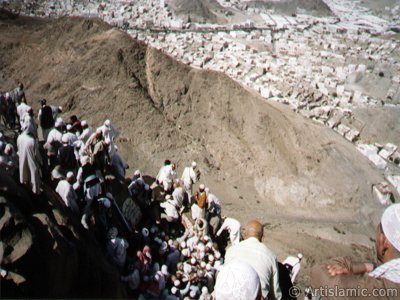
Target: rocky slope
[{"x": 260, "y": 158}]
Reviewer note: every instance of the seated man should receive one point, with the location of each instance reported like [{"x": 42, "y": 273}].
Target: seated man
[
  {"x": 364, "y": 280},
  {"x": 171, "y": 213}
]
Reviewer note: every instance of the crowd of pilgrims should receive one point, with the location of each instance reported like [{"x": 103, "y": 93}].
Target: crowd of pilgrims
[{"x": 176, "y": 249}]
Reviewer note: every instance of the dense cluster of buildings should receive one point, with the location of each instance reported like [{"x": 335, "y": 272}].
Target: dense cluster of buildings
[{"x": 320, "y": 66}]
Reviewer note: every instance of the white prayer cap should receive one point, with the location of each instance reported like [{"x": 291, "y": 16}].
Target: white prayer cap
[
  {"x": 237, "y": 280},
  {"x": 177, "y": 282},
  {"x": 202, "y": 187},
  {"x": 208, "y": 267},
  {"x": 59, "y": 122},
  {"x": 202, "y": 254},
  {"x": 69, "y": 126},
  {"x": 192, "y": 294},
  {"x": 203, "y": 264},
  {"x": 211, "y": 257},
  {"x": 84, "y": 160},
  {"x": 7, "y": 94},
  {"x": 204, "y": 290},
  {"x": 164, "y": 269},
  {"x": 8, "y": 149},
  {"x": 217, "y": 255},
  {"x": 84, "y": 123},
  {"x": 64, "y": 139},
  {"x": 206, "y": 238},
  {"x": 70, "y": 175},
  {"x": 107, "y": 123},
  {"x": 60, "y": 108},
  {"x": 174, "y": 290},
  {"x": 201, "y": 247},
  {"x": 391, "y": 224},
  {"x": 185, "y": 252},
  {"x": 194, "y": 164},
  {"x": 192, "y": 260},
  {"x": 137, "y": 173},
  {"x": 299, "y": 256},
  {"x": 170, "y": 243},
  {"x": 98, "y": 130},
  {"x": 187, "y": 268},
  {"x": 164, "y": 247},
  {"x": 183, "y": 244},
  {"x": 145, "y": 232}
]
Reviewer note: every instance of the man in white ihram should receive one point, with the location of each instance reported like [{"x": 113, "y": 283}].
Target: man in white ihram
[
  {"x": 30, "y": 161},
  {"x": 237, "y": 280},
  {"x": 190, "y": 177},
  {"x": 292, "y": 263},
  {"x": 67, "y": 193},
  {"x": 258, "y": 256},
  {"x": 166, "y": 176},
  {"x": 233, "y": 227}
]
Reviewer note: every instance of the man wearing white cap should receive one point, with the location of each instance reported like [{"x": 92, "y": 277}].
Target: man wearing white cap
[
  {"x": 27, "y": 123},
  {"x": 190, "y": 176},
  {"x": 199, "y": 207},
  {"x": 343, "y": 273},
  {"x": 179, "y": 194},
  {"x": 22, "y": 109},
  {"x": 86, "y": 131},
  {"x": 109, "y": 131},
  {"x": 171, "y": 213},
  {"x": 67, "y": 193},
  {"x": 54, "y": 140},
  {"x": 66, "y": 155},
  {"x": 167, "y": 175},
  {"x": 292, "y": 264},
  {"x": 233, "y": 227},
  {"x": 70, "y": 136},
  {"x": 257, "y": 255},
  {"x": 239, "y": 281}
]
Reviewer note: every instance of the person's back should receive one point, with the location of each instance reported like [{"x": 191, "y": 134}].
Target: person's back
[
  {"x": 66, "y": 157},
  {"x": 257, "y": 255},
  {"x": 46, "y": 119},
  {"x": 29, "y": 161}
]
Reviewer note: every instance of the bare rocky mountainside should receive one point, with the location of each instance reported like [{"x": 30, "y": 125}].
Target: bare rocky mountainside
[{"x": 310, "y": 187}]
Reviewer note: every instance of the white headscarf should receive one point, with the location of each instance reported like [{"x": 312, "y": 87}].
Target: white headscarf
[
  {"x": 391, "y": 225},
  {"x": 237, "y": 280}
]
